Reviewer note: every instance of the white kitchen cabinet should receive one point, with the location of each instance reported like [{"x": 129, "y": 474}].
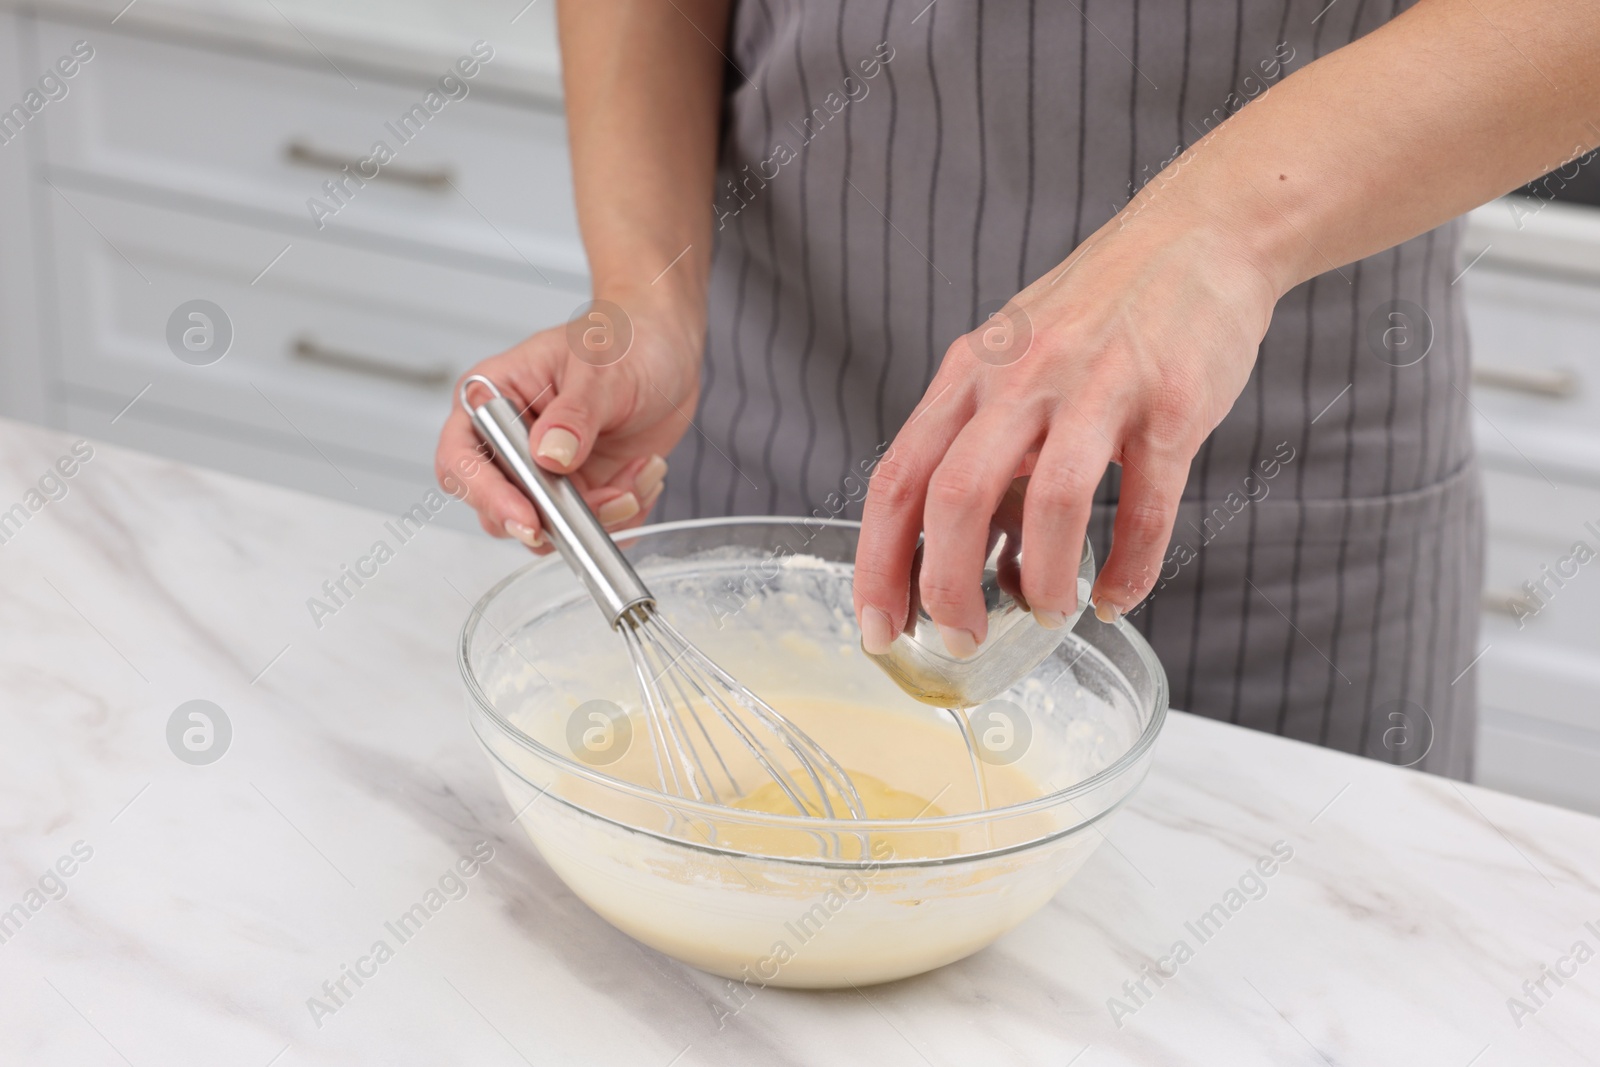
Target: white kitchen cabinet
[
  {"x": 24, "y": 373},
  {"x": 280, "y": 458},
  {"x": 347, "y": 346},
  {"x": 1536, "y": 371},
  {"x": 214, "y": 131},
  {"x": 1531, "y": 757},
  {"x": 1534, "y": 310},
  {"x": 179, "y": 167}
]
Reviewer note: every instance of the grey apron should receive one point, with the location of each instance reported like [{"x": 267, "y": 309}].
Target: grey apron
[{"x": 892, "y": 171}]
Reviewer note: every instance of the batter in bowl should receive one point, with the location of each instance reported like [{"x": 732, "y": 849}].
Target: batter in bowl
[
  {"x": 907, "y": 763},
  {"x": 881, "y": 903},
  {"x": 750, "y": 888}
]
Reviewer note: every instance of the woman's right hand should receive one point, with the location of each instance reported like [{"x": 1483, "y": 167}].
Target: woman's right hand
[{"x": 613, "y": 392}]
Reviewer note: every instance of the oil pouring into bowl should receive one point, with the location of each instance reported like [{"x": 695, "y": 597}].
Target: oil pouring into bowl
[
  {"x": 740, "y": 879},
  {"x": 1014, "y": 644}
]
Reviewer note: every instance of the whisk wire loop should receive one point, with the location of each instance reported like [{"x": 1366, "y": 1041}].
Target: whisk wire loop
[
  {"x": 693, "y": 682},
  {"x": 666, "y": 640},
  {"x": 824, "y": 772}
]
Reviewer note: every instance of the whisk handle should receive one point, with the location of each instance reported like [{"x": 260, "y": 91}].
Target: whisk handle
[{"x": 567, "y": 520}]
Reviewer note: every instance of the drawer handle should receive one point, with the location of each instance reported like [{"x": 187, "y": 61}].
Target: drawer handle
[
  {"x": 1557, "y": 384},
  {"x": 1508, "y": 602},
  {"x": 304, "y": 155},
  {"x": 308, "y": 351}
]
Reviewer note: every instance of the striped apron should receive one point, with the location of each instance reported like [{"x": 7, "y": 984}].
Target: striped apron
[{"x": 892, "y": 170}]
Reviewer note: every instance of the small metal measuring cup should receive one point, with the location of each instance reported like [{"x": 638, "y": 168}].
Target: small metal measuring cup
[{"x": 924, "y": 667}]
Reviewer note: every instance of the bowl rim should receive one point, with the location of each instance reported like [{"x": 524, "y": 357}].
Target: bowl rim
[{"x": 484, "y": 705}]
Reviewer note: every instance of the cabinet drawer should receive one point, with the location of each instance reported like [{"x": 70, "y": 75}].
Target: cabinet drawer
[
  {"x": 1524, "y": 508},
  {"x": 1536, "y": 371},
  {"x": 1545, "y": 646},
  {"x": 1529, "y": 673},
  {"x": 1561, "y": 608},
  {"x": 1533, "y": 531},
  {"x": 279, "y": 459},
  {"x": 335, "y": 344},
  {"x": 1536, "y": 760},
  {"x": 1541, "y": 680},
  {"x": 208, "y": 127}
]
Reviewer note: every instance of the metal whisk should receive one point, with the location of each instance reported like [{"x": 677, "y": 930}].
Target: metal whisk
[{"x": 685, "y": 695}]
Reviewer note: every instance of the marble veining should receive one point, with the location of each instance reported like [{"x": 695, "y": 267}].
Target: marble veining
[{"x": 217, "y": 899}]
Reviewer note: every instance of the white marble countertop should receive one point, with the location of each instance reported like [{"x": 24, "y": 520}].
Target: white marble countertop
[
  {"x": 206, "y": 904},
  {"x": 417, "y": 36}
]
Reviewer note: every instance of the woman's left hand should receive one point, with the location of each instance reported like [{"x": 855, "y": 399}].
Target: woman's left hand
[{"x": 1130, "y": 352}]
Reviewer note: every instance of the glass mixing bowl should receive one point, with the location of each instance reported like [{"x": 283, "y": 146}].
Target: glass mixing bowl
[{"x": 788, "y": 900}]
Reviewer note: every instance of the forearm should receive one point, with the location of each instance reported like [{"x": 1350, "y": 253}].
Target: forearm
[
  {"x": 643, "y": 87},
  {"x": 1448, "y": 106}
]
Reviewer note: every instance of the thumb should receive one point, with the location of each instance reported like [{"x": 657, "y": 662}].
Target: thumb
[{"x": 566, "y": 430}]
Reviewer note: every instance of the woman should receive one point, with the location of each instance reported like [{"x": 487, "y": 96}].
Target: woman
[{"x": 1247, "y": 381}]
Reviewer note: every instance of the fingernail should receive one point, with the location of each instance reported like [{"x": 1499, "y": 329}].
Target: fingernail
[
  {"x": 1050, "y": 620},
  {"x": 877, "y": 632},
  {"x": 1106, "y": 611},
  {"x": 559, "y": 445},
  {"x": 650, "y": 475},
  {"x": 526, "y": 534},
  {"x": 621, "y": 509},
  {"x": 960, "y": 643}
]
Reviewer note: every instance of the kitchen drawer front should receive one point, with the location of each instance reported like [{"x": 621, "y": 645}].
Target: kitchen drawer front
[
  {"x": 279, "y": 459},
  {"x": 1562, "y": 609},
  {"x": 1525, "y": 508},
  {"x": 1536, "y": 760},
  {"x": 1540, "y": 679},
  {"x": 1543, "y": 659},
  {"x": 481, "y": 175},
  {"x": 1536, "y": 370},
  {"x": 338, "y": 345},
  {"x": 1542, "y": 535}
]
